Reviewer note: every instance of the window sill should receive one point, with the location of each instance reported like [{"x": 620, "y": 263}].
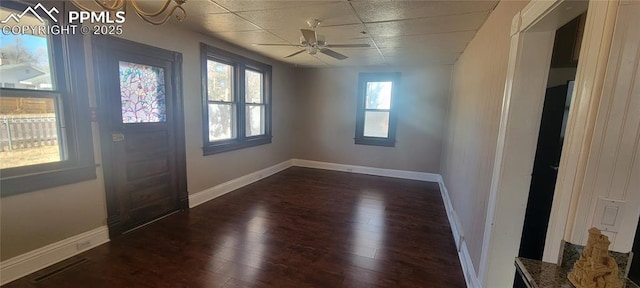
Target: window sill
[
  {"x": 44, "y": 180},
  {"x": 226, "y": 146},
  {"x": 384, "y": 142}
]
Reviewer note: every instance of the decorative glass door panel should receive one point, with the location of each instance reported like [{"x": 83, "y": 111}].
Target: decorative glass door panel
[{"x": 142, "y": 93}]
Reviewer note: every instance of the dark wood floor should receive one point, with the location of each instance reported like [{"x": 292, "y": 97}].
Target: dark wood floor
[{"x": 299, "y": 228}]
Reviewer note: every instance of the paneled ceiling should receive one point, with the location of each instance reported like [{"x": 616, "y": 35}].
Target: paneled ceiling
[{"x": 399, "y": 32}]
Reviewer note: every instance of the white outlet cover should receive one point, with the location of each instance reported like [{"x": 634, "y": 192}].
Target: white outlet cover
[{"x": 608, "y": 214}]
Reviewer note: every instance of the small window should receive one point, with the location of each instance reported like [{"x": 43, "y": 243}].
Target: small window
[
  {"x": 45, "y": 134},
  {"x": 375, "y": 123},
  {"x": 237, "y": 96}
]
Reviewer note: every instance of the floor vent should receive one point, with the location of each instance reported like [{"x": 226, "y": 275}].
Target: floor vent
[{"x": 56, "y": 269}]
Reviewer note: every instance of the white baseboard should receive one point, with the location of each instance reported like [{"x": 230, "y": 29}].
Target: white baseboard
[
  {"x": 470, "y": 275},
  {"x": 25, "y": 264},
  {"x": 226, "y": 187},
  {"x": 469, "y": 271},
  {"x": 412, "y": 175}
]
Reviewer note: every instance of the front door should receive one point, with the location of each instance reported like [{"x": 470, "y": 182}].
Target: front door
[{"x": 142, "y": 135}]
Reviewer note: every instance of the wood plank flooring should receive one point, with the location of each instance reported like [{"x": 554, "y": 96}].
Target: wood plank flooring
[{"x": 299, "y": 228}]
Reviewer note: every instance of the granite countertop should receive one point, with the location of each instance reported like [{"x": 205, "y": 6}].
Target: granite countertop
[{"x": 540, "y": 274}]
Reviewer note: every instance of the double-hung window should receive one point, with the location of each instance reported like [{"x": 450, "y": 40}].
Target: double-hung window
[
  {"x": 376, "y": 114},
  {"x": 237, "y": 101},
  {"x": 45, "y": 135}
]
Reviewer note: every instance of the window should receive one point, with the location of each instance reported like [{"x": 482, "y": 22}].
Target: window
[
  {"x": 237, "y": 101},
  {"x": 45, "y": 135},
  {"x": 376, "y": 117}
]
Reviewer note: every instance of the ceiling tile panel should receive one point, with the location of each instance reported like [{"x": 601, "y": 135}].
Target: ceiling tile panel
[
  {"x": 444, "y": 24},
  {"x": 417, "y": 56},
  {"x": 248, "y": 38},
  {"x": 369, "y": 57},
  {"x": 278, "y": 53},
  {"x": 455, "y": 41},
  {"x": 225, "y": 22},
  {"x": 374, "y": 11},
  {"x": 199, "y": 8},
  {"x": 253, "y": 5},
  {"x": 329, "y": 13}
]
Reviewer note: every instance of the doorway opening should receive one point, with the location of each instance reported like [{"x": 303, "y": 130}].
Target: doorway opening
[{"x": 553, "y": 123}]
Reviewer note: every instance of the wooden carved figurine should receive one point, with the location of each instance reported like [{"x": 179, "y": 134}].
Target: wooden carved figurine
[{"x": 595, "y": 268}]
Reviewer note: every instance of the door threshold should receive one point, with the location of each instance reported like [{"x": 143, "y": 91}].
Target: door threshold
[{"x": 152, "y": 221}]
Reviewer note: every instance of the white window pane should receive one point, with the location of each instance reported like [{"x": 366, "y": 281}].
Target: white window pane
[
  {"x": 221, "y": 124},
  {"x": 378, "y": 95},
  {"x": 26, "y": 58},
  {"x": 219, "y": 81},
  {"x": 28, "y": 132},
  {"x": 255, "y": 120},
  {"x": 376, "y": 124},
  {"x": 253, "y": 86}
]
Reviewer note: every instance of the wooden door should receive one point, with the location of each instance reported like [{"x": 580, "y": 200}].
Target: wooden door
[{"x": 142, "y": 135}]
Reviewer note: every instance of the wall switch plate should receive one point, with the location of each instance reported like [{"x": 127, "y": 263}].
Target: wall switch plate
[{"x": 608, "y": 215}]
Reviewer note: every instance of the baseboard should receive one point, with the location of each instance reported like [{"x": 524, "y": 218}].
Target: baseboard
[
  {"x": 25, "y": 264},
  {"x": 226, "y": 187},
  {"x": 412, "y": 175},
  {"x": 468, "y": 269},
  {"x": 470, "y": 275}
]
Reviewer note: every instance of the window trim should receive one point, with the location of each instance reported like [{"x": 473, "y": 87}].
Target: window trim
[
  {"x": 240, "y": 64},
  {"x": 73, "y": 115},
  {"x": 363, "y": 78}
]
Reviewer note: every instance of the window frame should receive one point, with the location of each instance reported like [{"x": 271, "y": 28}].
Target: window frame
[
  {"x": 72, "y": 113},
  {"x": 240, "y": 65},
  {"x": 363, "y": 79}
]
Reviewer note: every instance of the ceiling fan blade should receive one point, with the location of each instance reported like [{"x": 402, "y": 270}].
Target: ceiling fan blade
[
  {"x": 348, "y": 45},
  {"x": 283, "y": 45},
  {"x": 309, "y": 35},
  {"x": 333, "y": 54},
  {"x": 294, "y": 54}
]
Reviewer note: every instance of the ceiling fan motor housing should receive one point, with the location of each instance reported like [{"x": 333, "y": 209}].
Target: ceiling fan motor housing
[{"x": 320, "y": 41}]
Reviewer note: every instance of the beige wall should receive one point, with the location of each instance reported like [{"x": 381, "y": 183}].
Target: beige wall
[
  {"x": 32, "y": 220},
  {"x": 473, "y": 121},
  {"x": 326, "y": 107}
]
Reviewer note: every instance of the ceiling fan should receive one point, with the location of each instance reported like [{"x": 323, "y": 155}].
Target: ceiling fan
[{"x": 312, "y": 43}]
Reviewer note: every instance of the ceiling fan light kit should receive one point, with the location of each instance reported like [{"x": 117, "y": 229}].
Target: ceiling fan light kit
[{"x": 312, "y": 43}]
